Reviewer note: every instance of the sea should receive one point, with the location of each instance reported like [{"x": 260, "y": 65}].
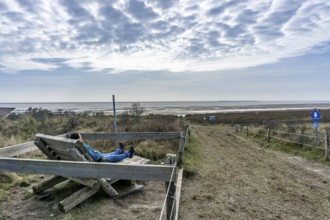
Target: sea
[{"x": 180, "y": 108}]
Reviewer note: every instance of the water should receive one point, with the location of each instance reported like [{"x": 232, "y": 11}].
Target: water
[{"x": 174, "y": 108}]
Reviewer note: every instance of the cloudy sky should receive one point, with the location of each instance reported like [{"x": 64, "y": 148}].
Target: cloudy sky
[{"x": 164, "y": 50}]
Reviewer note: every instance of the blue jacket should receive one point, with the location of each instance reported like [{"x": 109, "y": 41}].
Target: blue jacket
[{"x": 96, "y": 155}]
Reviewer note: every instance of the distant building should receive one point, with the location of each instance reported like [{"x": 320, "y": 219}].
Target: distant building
[{"x": 5, "y": 111}]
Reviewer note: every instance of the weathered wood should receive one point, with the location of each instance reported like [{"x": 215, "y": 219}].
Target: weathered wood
[
  {"x": 125, "y": 190},
  {"x": 107, "y": 187},
  {"x": 182, "y": 143},
  {"x": 132, "y": 136},
  {"x": 268, "y": 135},
  {"x": 43, "y": 148},
  {"x": 247, "y": 131},
  {"x": 85, "y": 182},
  {"x": 76, "y": 198},
  {"x": 17, "y": 149},
  {"x": 178, "y": 192},
  {"x": 47, "y": 184},
  {"x": 87, "y": 169},
  {"x": 170, "y": 188}
]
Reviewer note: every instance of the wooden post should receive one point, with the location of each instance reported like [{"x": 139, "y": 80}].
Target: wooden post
[
  {"x": 268, "y": 134},
  {"x": 188, "y": 132},
  {"x": 247, "y": 131},
  {"x": 181, "y": 147},
  {"x": 171, "y": 188},
  {"x": 236, "y": 128},
  {"x": 326, "y": 147}
]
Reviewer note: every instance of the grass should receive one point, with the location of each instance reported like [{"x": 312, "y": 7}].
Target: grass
[
  {"x": 192, "y": 156},
  {"x": 305, "y": 152}
]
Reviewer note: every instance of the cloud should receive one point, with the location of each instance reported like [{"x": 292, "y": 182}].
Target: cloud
[{"x": 124, "y": 35}]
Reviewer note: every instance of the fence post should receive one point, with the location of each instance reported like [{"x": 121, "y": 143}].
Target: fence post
[
  {"x": 236, "y": 129},
  {"x": 181, "y": 147},
  {"x": 268, "y": 135},
  {"x": 247, "y": 131},
  {"x": 170, "y": 199},
  {"x": 326, "y": 147}
]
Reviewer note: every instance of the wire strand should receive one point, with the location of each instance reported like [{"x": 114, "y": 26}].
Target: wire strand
[{"x": 166, "y": 196}]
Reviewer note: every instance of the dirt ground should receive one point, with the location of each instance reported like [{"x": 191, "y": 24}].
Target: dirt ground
[
  {"x": 140, "y": 205},
  {"x": 242, "y": 180}
]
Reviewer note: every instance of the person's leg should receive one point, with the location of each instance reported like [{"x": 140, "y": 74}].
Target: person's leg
[
  {"x": 117, "y": 151},
  {"x": 114, "y": 157}
]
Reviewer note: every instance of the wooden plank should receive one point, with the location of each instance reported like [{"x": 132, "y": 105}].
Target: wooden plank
[
  {"x": 134, "y": 160},
  {"x": 106, "y": 186},
  {"x": 178, "y": 192},
  {"x": 43, "y": 148},
  {"x": 85, "y": 182},
  {"x": 87, "y": 169},
  {"x": 125, "y": 190},
  {"x": 18, "y": 149},
  {"x": 60, "y": 143},
  {"x": 132, "y": 136},
  {"x": 48, "y": 183},
  {"x": 170, "y": 190},
  {"x": 76, "y": 198}
]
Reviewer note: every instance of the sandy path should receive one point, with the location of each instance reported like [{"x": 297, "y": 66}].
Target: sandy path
[{"x": 241, "y": 180}]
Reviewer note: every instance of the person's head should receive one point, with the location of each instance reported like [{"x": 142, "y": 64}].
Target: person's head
[{"x": 75, "y": 136}]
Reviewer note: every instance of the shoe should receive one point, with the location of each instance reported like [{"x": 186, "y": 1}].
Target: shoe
[{"x": 131, "y": 152}]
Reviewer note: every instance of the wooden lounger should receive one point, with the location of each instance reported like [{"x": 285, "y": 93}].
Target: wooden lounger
[{"x": 59, "y": 148}]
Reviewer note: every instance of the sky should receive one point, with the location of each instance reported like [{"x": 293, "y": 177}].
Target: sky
[{"x": 164, "y": 50}]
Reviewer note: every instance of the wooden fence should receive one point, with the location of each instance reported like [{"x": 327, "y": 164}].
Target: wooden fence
[{"x": 164, "y": 173}]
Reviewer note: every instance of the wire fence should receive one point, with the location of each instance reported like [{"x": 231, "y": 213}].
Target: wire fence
[
  {"x": 167, "y": 195},
  {"x": 311, "y": 141}
]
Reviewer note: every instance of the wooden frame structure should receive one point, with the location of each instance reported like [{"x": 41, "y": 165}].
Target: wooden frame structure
[{"x": 78, "y": 171}]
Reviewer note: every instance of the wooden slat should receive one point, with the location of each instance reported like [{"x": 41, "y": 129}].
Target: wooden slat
[
  {"x": 125, "y": 190},
  {"x": 47, "y": 184},
  {"x": 18, "y": 149},
  {"x": 76, "y": 198},
  {"x": 178, "y": 192},
  {"x": 132, "y": 136},
  {"x": 61, "y": 143},
  {"x": 87, "y": 169}
]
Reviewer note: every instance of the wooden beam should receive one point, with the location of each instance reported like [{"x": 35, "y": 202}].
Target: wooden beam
[
  {"x": 76, "y": 198},
  {"x": 47, "y": 184},
  {"x": 18, "y": 149},
  {"x": 132, "y": 136},
  {"x": 178, "y": 192},
  {"x": 87, "y": 169},
  {"x": 170, "y": 190}
]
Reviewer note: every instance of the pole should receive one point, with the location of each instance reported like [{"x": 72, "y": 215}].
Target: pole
[
  {"x": 268, "y": 135},
  {"x": 114, "y": 118},
  {"x": 316, "y": 136},
  {"x": 114, "y": 113}
]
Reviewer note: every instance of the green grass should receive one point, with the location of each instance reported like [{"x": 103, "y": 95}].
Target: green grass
[
  {"x": 309, "y": 153},
  {"x": 192, "y": 156}
]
